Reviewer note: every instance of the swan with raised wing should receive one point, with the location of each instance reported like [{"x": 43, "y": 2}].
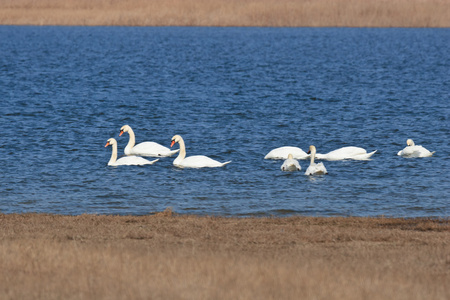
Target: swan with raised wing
[
  {"x": 196, "y": 161},
  {"x": 144, "y": 148},
  {"x": 283, "y": 152},
  {"x": 315, "y": 168},
  {"x": 351, "y": 152},
  {"x": 127, "y": 160},
  {"x": 413, "y": 150},
  {"x": 290, "y": 164}
]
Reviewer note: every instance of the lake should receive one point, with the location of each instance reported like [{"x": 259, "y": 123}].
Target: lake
[{"x": 232, "y": 94}]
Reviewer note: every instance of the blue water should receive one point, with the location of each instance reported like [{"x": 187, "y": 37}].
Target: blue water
[{"x": 233, "y": 94}]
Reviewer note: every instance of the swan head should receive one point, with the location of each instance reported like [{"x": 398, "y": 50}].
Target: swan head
[
  {"x": 176, "y": 139},
  {"x": 312, "y": 149},
  {"x": 111, "y": 142},
  {"x": 290, "y": 156},
  {"x": 410, "y": 142},
  {"x": 125, "y": 128}
]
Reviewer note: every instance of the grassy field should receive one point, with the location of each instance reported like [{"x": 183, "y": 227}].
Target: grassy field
[
  {"x": 293, "y": 13},
  {"x": 165, "y": 256}
]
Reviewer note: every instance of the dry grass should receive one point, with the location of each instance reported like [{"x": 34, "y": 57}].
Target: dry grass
[
  {"x": 294, "y": 13},
  {"x": 165, "y": 256}
]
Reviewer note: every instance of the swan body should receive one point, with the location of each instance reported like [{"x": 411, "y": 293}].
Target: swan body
[
  {"x": 290, "y": 164},
  {"x": 283, "y": 152},
  {"x": 315, "y": 169},
  {"x": 351, "y": 152},
  {"x": 144, "y": 148},
  {"x": 196, "y": 161},
  {"x": 125, "y": 161},
  {"x": 413, "y": 150}
]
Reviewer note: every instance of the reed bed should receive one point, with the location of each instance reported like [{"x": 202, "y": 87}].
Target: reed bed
[
  {"x": 272, "y": 13},
  {"x": 165, "y": 256}
]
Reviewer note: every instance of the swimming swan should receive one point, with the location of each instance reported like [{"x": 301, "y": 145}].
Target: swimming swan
[
  {"x": 290, "y": 164},
  {"x": 196, "y": 161},
  {"x": 283, "y": 152},
  {"x": 411, "y": 150},
  {"x": 351, "y": 152},
  {"x": 144, "y": 148},
  {"x": 127, "y": 160},
  {"x": 315, "y": 169}
]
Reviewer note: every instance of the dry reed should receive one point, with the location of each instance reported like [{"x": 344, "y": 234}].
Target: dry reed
[
  {"x": 274, "y": 13},
  {"x": 166, "y": 256}
]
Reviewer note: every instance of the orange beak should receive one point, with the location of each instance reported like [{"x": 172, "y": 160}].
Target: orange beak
[
  {"x": 171, "y": 144},
  {"x": 107, "y": 144},
  {"x": 121, "y": 132}
]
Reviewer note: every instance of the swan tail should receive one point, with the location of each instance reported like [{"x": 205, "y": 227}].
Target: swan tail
[
  {"x": 365, "y": 156},
  {"x": 168, "y": 154},
  {"x": 371, "y": 153},
  {"x": 153, "y": 161},
  {"x": 172, "y": 152}
]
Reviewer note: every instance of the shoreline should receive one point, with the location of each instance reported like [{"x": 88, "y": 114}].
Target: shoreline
[
  {"x": 218, "y": 26},
  {"x": 168, "y": 212},
  {"x": 171, "y": 256},
  {"x": 233, "y": 13}
]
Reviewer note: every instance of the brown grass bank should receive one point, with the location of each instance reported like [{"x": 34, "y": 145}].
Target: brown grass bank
[
  {"x": 189, "y": 257},
  {"x": 278, "y": 13}
]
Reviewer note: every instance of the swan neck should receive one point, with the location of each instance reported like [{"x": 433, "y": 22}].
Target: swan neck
[
  {"x": 182, "y": 153},
  {"x": 113, "y": 154},
  {"x": 131, "y": 140},
  {"x": 313, "y": 155}
]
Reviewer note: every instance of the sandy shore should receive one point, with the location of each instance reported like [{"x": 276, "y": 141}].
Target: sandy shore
[
  {"x": 165, "y": 256},
  {"x": 274, "y": 13}
]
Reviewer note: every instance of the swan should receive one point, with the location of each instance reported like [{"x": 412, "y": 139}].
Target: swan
[
  {"x": 291, "y": 164},
  {"x": 196, "y": 161},
  {"x": 127, "y": 160},
  {"x": 315, "y": 169},
  {"x": 351, "y": 152},
  {"x": 411, "y": 150},
  {"x": 283, "y": 152},
  {"x": 144, "y": 148}
]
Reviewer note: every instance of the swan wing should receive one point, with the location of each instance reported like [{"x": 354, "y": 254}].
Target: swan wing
[
  {"x": 423, "y": 152},
  {"x": 200, "y": 161},
  {"x": 408, "y": 152},
  {"x": 152, "y": 149},
  {"x": 343, "y": 153},
  {"x": 283, "y": 152},
  {"x": 415, "y": 151},
  {"x": 133, "y": 161},
  {"x": 351, "y": 152}
]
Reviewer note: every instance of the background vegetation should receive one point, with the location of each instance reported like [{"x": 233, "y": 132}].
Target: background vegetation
[
  {"x": 165, "y": 256},
  {"x": 294, "y": 13}
]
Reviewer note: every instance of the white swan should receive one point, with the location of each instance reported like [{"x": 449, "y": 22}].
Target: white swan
[
  {"x": 351, "y": 152},
  {"x": 283, "y": 152},
  {"x": 196, "y": 161},
  {"x": 144, "y": 148},
  {"x": 290, "y": 164},
  {"x": 127, "y": 160},
  {"x": 315, "y": 169},
  {"x": 411, "y": 150}
]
